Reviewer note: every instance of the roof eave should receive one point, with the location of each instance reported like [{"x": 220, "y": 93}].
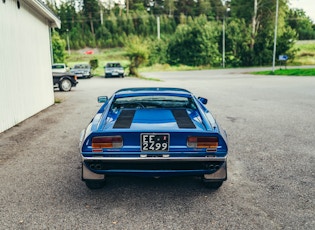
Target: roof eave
[{"x": 43, "y": 10}]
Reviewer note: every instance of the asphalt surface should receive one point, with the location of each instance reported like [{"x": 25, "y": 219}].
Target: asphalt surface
[{"x": 271, "y": 180}]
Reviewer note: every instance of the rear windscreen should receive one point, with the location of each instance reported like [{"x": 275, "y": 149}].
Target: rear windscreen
[{"x": 158, "y": 101}]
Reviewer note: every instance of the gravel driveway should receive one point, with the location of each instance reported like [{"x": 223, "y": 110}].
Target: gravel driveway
[{"x": 271, "y": 182}]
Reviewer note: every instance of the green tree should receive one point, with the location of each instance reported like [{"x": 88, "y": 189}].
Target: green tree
[
  {"x": 186, "y": 7},
  {"x": 285, "y": 43},
  {"x": 237, "y": 40},
  {"x": 75, "y": 37},
  {"x": 260, "y": 18},
  {"x": 169, "y": 7},
  {"x": 136, "y": 5},
  {"x": 58, "y": 46},
  {"x": 105, "y": 37},
  {"x": 168, "y": 25},
  {"x": 203, "y": 7},
  {"x": 141, "y": 19},
  {"x": 301, "y": 23},
  {"x": 91, "y": 10},
  {"x": 158, "y": 52},
  {"x": 126, "y": 24},
  {"x": 218, "y": 9},
  {"x": 195, "y": 44},
  {"x": 138, "y": 52},
  {"x": 68, "y": 16}
]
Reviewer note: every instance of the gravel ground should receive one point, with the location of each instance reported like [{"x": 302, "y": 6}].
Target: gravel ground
[{"x": 271, "y": 182}]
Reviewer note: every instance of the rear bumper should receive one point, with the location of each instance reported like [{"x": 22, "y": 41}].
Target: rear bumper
[
  {"x": 114, "y": 75},
  {"x": 83, "y": 75},
  {"x": 212, "y": 168}
]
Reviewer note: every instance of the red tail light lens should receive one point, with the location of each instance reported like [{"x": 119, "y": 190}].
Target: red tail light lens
[
  {"x": 203, "y": 142},
  {"x": 99, "y": 143}
]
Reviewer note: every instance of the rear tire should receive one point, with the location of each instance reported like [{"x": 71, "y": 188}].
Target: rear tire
[
  {"x": 95, "y": 184},
  {"x": 65, "y": 85}
]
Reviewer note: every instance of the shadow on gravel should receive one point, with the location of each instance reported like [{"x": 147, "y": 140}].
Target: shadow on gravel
[
  {"x": 146, "y": 196},
  {"x": 128, "y": 187}
]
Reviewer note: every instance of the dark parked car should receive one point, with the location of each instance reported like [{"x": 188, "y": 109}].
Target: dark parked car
[
  {"x": 81, "y": 70},
  {"x": 114, "y": 69},
  {"x": 64, "y": 81},
  {"x": 153, "y": 132}
]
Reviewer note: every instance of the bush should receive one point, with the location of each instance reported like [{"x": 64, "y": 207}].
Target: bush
[{"x": 94, "y": 63}]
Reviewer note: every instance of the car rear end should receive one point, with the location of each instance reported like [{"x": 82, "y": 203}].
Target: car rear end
[
  {"x": 153, "y": 142},
  {"x": 114, "y": 70},
  {"x": 155, "y": 153},
  {"x": 81, "y": 71},
  {"x": 59, "y": 68}
]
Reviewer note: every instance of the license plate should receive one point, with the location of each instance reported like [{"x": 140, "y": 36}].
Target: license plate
[
  {"x": 154, "y": 142},
  {"x": 114, "y": 73}
]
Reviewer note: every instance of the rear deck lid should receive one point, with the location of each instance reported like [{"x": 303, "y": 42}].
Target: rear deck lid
[{"x": 156, "y": 119}]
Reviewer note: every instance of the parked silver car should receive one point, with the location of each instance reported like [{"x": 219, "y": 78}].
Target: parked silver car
[
  {"x": 81, "y": 70},
  {"x": 114, "y": 69}
]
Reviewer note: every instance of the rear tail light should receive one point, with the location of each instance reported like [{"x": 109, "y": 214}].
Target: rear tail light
[
  {"x": 99, "y": 143},
  {"x": 211, "y": 143}
]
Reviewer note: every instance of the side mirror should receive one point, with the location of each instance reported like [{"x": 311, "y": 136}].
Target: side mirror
[
  {"x": 102, "y": 99},
  {"x": 203, "y": 100}
]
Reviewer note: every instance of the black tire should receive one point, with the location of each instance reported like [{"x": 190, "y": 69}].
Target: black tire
[
  {"x": 65, "y": 85},
  {"x": 212, "y": 184},
  {"x": 95, "y": 184}
]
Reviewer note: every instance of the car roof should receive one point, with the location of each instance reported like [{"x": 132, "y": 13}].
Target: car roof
[
  {"x": 82, "y": 65},
  {"x": 149, "y": 90},
  {"x": 55, "y": 64},
  {"x": 113, "y": 64}
]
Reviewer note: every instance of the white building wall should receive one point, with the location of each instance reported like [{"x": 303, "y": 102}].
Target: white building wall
[{"x": 25, "y": 64}]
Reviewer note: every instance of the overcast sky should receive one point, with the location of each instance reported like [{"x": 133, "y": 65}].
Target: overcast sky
[{"x": 307, "y": 5}]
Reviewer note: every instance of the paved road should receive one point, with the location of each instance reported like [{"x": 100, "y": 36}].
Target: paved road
[{"x": 271, "y": 181}]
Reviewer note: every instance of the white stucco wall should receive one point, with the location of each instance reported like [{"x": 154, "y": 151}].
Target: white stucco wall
[{"x": 25, "y": 64}]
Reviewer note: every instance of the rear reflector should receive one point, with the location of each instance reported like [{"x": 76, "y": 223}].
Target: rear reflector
[
  {"x": 98, "y": 143},
  {"x": 203, "y": 142}
]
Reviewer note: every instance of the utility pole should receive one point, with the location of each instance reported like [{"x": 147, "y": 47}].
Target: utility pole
[
  {"x": 223, "y": 42},
  {"x": 275, "y": 39},
  {"x": 223, "y": 33},
  {"x": 69, "y": 52},
  {"x": 101, "y": 11},
  {"x": 158, "y": 27}
]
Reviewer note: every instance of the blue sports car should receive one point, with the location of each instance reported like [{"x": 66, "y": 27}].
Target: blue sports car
[{"x": 153, "y": 132}]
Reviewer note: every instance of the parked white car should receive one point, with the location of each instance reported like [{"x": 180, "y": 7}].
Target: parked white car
[{"x": 59, "y": 68}]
